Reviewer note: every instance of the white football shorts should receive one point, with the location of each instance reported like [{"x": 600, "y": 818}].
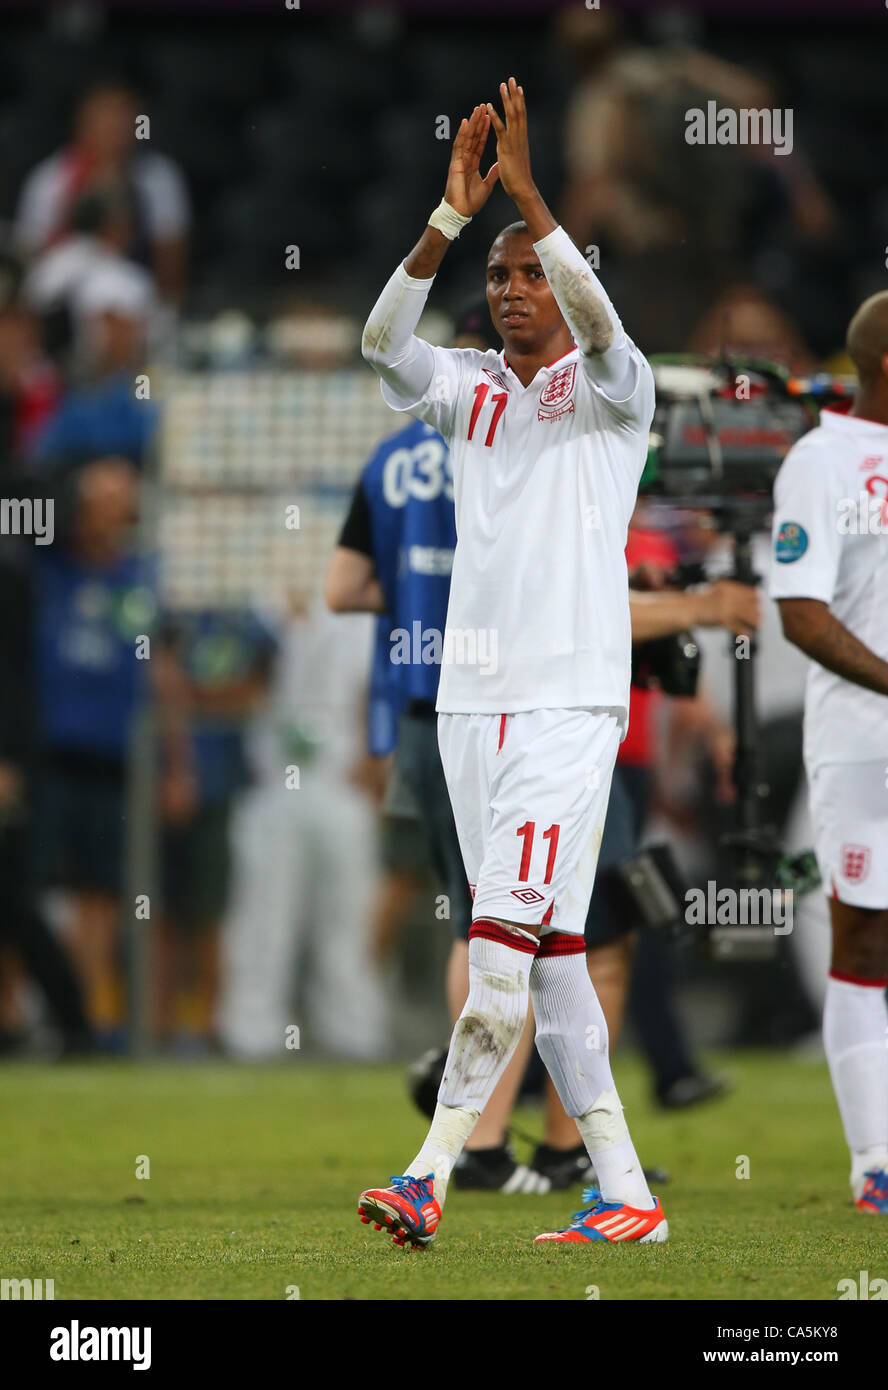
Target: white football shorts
[
  {"x": 529, "y": 793},
  {"x": 849, "y": 811}
]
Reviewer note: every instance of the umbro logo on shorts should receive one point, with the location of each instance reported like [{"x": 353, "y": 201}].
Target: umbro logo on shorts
[{"x": 527, "y": 895}]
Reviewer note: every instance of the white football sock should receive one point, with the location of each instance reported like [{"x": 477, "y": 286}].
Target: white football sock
[
  {"x": 484, "y": 1037},
  {"x": 855, "y": 1036},
  {"x": 572, "y": 1039}
]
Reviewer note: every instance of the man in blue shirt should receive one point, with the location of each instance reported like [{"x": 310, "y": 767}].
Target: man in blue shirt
[
  {"x": 110, "y": 412},
  {"x": 95, "y": 606}
]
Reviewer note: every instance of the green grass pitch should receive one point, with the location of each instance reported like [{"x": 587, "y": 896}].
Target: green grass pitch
[{"x": 255, "y": 1174}]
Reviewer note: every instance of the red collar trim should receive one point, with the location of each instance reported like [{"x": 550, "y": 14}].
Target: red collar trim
[
  {"x": 564, "y": 354},
  {"x": 846, "y": 415},
  {"x": 547, "y": 364}
]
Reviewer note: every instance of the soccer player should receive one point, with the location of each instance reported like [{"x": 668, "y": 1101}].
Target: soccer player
[
  {"x": 830, "y": 577},
  {"x": 394, "y": 556},
  {"x": 548, "y": 441}
]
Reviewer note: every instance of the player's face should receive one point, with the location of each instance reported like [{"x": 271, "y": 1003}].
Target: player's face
[{"x": 522, "y": 306}]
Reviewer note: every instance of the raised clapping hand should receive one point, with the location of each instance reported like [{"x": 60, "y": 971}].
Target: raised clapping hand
[
  {"x": 512, "y": 149},
  {"x": 466, "y": 190}
]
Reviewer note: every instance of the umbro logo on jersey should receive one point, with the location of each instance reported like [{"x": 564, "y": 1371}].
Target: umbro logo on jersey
[
  {"x": 495, "y": 377},
  {"x": 555, "y": 397},
  {"x": 870, "y": 463}
]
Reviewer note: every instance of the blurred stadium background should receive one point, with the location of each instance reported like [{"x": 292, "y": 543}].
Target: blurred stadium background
[{"x": 180, "y": 312}]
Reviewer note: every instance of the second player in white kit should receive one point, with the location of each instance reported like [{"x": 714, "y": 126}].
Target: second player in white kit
[
  {"x": 830, "y": 576},
  {"x": 830, "y": 545},
  {"x": 548, "y": 440}
]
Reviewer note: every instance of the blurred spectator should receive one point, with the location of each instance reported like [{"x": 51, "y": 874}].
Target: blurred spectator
[
  {"x": 106, "y": 156},
  {"x": 109, "y": 412},
  {"x": 226, "y": 661},
  {"x": 24, "y": 935},
  {"x": 29, "y": 384},
  {"x": 94, "y": 598},
  {"x": 745, "y": 321},
  {"x": 629, "y": 167},
  {"x": 677, "y": 218},
  {"x": 100, "y": 233},
  {"x": 304, "y": 857}
]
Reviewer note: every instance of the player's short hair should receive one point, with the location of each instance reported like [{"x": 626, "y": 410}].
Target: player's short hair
[
  {"x": 867, "y": 339},
  {"x": 512, "y": 229}
]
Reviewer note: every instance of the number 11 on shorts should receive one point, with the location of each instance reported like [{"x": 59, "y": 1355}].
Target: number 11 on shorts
[{"x": 527, "y": 830}]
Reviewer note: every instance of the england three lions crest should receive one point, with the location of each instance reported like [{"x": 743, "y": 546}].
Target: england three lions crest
[
  {"x": 855, "y": 862},
  {"x": 555, "y": 398}
]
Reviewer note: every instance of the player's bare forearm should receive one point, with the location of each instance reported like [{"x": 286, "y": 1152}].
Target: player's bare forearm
[
  {"x": 427, "y": 255},
  {"x": 351, "y": 584},
  {"x": 534, "y": 212},
  {"x": 811, "y": 627},
  {"x": 658, "y": 615},
  {"x": 723, "y": 604}
]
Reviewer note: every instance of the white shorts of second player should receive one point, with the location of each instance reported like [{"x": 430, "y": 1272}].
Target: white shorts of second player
[
  {"x": 529, "y": 793},
  {"x": 849, "y": 810}
]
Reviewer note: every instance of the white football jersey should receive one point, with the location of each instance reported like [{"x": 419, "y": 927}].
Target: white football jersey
[
  {"x": 545, "y": 482},
  {"x": 830, "y": 538}
]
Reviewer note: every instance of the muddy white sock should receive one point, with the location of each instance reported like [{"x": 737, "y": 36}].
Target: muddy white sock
[{"x": 484, "y": 1037}]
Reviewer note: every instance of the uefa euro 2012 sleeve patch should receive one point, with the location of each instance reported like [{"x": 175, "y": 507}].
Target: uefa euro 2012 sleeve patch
[{"x": 791, "y": 543}]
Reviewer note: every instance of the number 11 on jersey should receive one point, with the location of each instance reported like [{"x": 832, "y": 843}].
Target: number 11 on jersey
[{"x": 500, "y": 397}]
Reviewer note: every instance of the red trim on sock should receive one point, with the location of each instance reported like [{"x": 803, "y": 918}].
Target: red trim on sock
[
  {"x": 858, "y": 980},
  {"x": 492, "y": 931},
  {"x": 561, "y": 943}
]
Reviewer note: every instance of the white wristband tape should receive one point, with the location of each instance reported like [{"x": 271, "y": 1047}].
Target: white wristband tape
[{"x": 447, "y": 220}]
